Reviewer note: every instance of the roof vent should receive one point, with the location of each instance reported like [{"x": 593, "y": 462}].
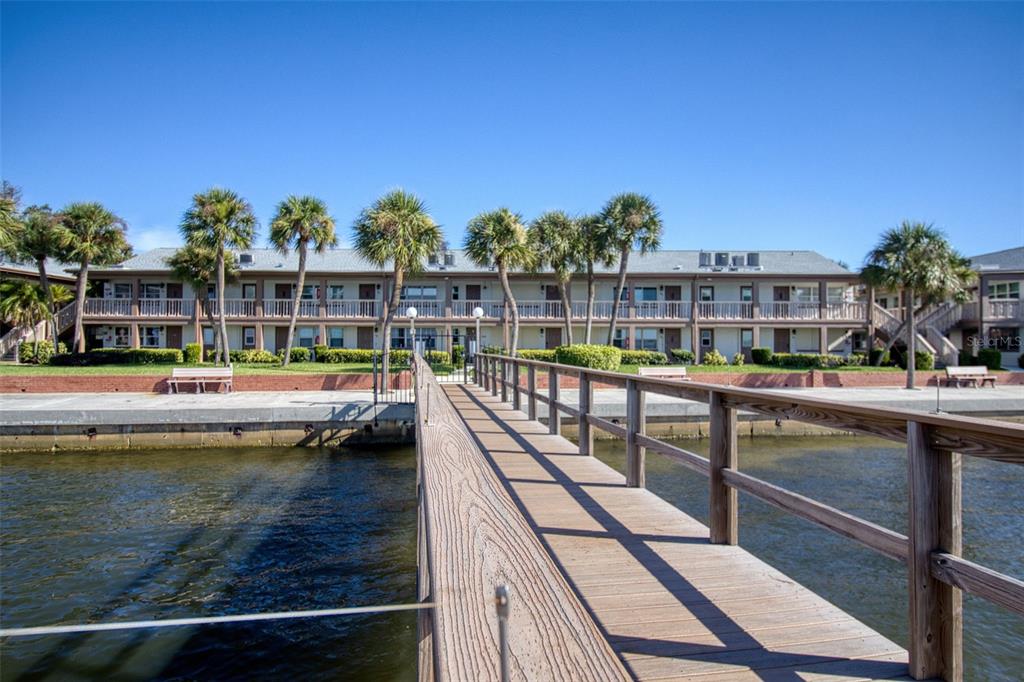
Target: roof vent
[
  {"x": 245, "y": 258},
  {"x": 721, "y": 258},
  {"x": 705, "y": 259},
  {"x": 753, "y": 259}
]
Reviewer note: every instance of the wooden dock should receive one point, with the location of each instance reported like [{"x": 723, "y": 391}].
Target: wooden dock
[
  {"x": 672, "y": 605},
  {"x": 608, "y": 581}
]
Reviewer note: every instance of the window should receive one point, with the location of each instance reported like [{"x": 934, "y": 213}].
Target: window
[
  {"x": 419, "y": 293},
  {"x": 706, "y": 338},
  {"x": 249, "y": 292},
  {"x": 646, "y": 294},
  {"x": 746, "y": 338},
  {"x": 646, "y": 339},
  {"x": 121, "y": 338},
  {"x": 248, "y": 337},
  {"x": 836, "y": 294},
  {"x": 427, "y": 337},
  {"x": 624, "y": 294},
  {"x": 336, "y": 337},
  {"x": 152, "y": 291},
  {"x": 310, "y": 292},
  {"x": 307, "y": 336},
  {"x": 706, "y": 294},
  {"x": 1004, "y": 290},
  {"x": 805, "y": 294},
  {"x": 618, "y": 340},
  {"x": 746, "y": 294},
  {"x": 208, "y": 336},
  {"x": 455, "y": 292},
  {"x": 151, "y": 337},
  {"x": 122, "y": 290},
  {"x": 335, "y": 292},
  {"x": 1004, "y": 339},
  {"x": 211, "y": 291}
]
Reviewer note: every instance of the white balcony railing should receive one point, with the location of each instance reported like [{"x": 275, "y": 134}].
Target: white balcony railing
[
  {"x": 108, "y": 307},
  {"x": 166, "y": 307},
  {"x": 725, "y": 310},
  {"x": 846, "y": 310},
  {"x": 789, "y": 310},
  {"x": 539, "y": 310},
  {"x": 424, "y": 307},
  {"x": 364, "y": 309},
  {"x": 492, "y": 309},
  {"x": 1009, "y": 309},
  {"x": 282, "y": 307},
  {"x": 233, "y": 307},
  {"x": 675, "y": 310}
]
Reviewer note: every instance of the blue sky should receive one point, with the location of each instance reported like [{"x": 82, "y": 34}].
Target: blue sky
[{"x": 753, "y": 126}]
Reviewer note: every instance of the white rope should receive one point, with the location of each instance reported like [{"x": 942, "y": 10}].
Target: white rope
[{"x": 176, "y": 622}]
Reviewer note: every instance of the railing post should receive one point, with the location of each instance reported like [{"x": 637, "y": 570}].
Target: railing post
[
  {"x": 936, "y": 608},
  {"x": 504, "y": 380},
  {"x": 586, "y": 398},
  {"x": 635, "y": 425},
  {"x": 531, "y": 392},
  {"x": 517, "y": 398},
  {"x": 494, "y": 376},
  {"x": 477, "y": 374},
  {"x": 554, "y": 421},
  {"x": 722, "y": 512}
]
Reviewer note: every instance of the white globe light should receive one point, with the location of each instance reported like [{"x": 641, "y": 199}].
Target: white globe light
[
  {"x": 411, "y": 312},
  {"x": 478, "y": 312}
]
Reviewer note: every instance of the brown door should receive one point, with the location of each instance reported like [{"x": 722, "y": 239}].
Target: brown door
[
  {"x": 472, "y": 292},
  {"x": 174, "y": 291},
  {"x": 551, "y": 293},
  {"x": 781, "y": 341},
  {"x": 672, "y": 338},
  {"x": 673, "y": 293},
  {"x": 364, "y": 337},
  {"x": 552, "y": 337},
  {"x": 281, "y": 337},
  {"x": 174, "y": 335},
  {"x": 283, "y": 291},
  {"x": 780, "y": 293},
  {"x": 367, "y": 292}
]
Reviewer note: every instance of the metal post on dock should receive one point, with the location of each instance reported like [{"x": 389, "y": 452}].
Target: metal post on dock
[
  {"x": 504, "y": 380},
  {"x": 531, "y": 392},
  {"x": 501, "y": 605},
  {"x": 554, "y": 421},
  {"x": 517, "y": 398},
  {"x": 586, "y": 397},
  {"x": 635, "y": 425},
  {"x": 494, "y": 377}
]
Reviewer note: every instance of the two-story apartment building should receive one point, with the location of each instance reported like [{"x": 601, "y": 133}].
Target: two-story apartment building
[{"x": 790, "y": 301}]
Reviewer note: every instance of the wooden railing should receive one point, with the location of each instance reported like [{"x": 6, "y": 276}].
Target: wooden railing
[
  {"x": 471, "y": 539},
  {"x": 166, "y": 307},
  {"x": 108, "y": 307},
  {"x": 1003, "y": 310},
  {"x": 937, "y": 573}
]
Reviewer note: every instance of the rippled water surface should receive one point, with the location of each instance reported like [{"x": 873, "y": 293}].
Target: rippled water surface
[
  {"x": 92, "y": 537},
  {"x": 866, "y": 477}
]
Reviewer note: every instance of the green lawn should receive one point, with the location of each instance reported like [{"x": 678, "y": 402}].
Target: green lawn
[{"x": 8, "y": 368}]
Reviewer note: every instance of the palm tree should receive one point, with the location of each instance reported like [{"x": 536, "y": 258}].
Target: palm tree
[
  {"x": 42, "y": 236},
  {"x": 299, "y": 221},
  {"x": 197, "y": 266},
  {"x": 917, "y": 260},
  {"x": 395, "y": 229},
  {"x": 10, "y": 220},
  {"x": 596, "y": 247},
  {"x": 23, "y": 304},
  {"x": 499, "y": 238},
  {"x": 95, "y": 236},
  {"x": 556, "y": 237},
  {"x": 634, "y": 222},
  {"x": 219, "y": 219}
]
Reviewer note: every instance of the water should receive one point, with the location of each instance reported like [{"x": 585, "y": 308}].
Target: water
[
  {"x": 866, "y": 477},
  {"x": 126, "y": 536}
]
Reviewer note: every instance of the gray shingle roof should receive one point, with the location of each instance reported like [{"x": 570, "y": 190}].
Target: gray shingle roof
[
  {"x": 1007, "y": 259},
  {"x": 53, "y": 267},
  {"x": 661, "y": 262}
]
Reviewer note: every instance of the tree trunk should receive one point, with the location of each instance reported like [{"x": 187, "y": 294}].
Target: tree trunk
[
  {"x": 619, "y": 286},
  {"x": 911, "y": 338},
  {"x": 563, "y": 290},
  {"x": 216, "y": 336},
  {"x": 389, "y": 316},
  {"x": 81, "y": 283},
  {"x": 224, "y": 347},
  {"x": 590, "y": 300},
  {"x": 296, "y": 300},
  {"x": 513, "y": 309},
  {"x": 44, "y": 282}
]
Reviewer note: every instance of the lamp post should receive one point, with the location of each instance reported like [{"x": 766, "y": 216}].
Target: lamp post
[
  {"x": 411, "y": 312},
  {"x": 478, "y": 312}
]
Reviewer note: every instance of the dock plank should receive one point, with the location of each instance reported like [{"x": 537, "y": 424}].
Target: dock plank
[{"x": 671, "y": 605}]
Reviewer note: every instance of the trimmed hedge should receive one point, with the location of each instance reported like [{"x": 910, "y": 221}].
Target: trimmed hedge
[
  {"x": 458, "y": 355},
  {"x": 592, "y": 356},
  {"x": 685, "y": 357},
  {"x": 739, "y": 359},
  {"x": 120, "y": 356},
  {"x": 714, "y": 358},
  {"x": 360, "y": 355},
  {"x": 816, "y": 360},
  {"x": 761, "y": 356},
  {"x": 38, "y": 352},
  {"x": 254, "y": 356},
  {"x": 540, "y": 354},
  {"x": 438, "y": 357},
  {"x": 298, "y": 354},
  {"x": 493, "y": 350},
  {"x": 885, "y": 355},
  {"x": 644, "y": 357},
  {"x": 923, "y": 359},
  {"x": 193, "y": 353},
  {"x": 991, "y": 358}
]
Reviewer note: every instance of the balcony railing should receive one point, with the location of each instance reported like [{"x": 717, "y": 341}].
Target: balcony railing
[
  {"x": 790, "y": 310},
  {"x": 233, "y": 307},
  {"x": 108, "y": 307},
  {"x": 166, "y": 307},
  {"x": 846, "y": 310},
  {"x": 353, "y": 308},
  {"x": 725, "y": 310},
  {"x": 1003, "y": 310},
  {"x": 282, "y": 307},
  {"x": 424, "y": 307},
  {"x": 492, "y": 309},
  {"x": 673, "y": 310}
]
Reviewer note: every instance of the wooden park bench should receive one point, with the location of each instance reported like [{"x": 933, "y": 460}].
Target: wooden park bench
[
  {"x": 976, "y": 375},
  {"x": 664, "y": 373},
  {"x": 200, "y": 376}
]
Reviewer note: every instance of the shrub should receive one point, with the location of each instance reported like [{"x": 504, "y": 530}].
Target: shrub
[
  {"x": 493, "y": 350},
  {"x": 644, "y": 357},
  {"x": 298, "y": 354},
  {"x": 761, "y": 356},
  {"x": 399, "y": 358},
  {"x": 685, "y": 357},
  {"x": 738, "y": 359},
  {"x": 120, "y": 356},
  {"x": 254, "y": 357},
  {"x": 874, "y": 355},
  {"x": 340, "y": 355},
  {"x": 38, "y": 352},
  {"x": 589, "y": 355},
  {"x": 991, "y": 358},
  {"x": 318, "y": 350},
  {"x": 438, "y": 357},
  {"x": 458, "y": 355},
  {"x": 541, "y": 354},
  {"x": 193, "y": 353},
  {"x": 714, "y": 358},
  {"x": 815, "y": 360},
  {"x": 966, "y": 357},
  {"x": 923, "y": 359}
]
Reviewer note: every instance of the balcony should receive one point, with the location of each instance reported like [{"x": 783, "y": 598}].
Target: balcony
[
  {"x": 725, "y": 310},
  {"x": 166, "y": 307},
  {"x": 361, "y": 309},
  {"x": 233, "y": 307},
  {"x": 492, "y": 309},
  {"x": 1003, "y": 309}
]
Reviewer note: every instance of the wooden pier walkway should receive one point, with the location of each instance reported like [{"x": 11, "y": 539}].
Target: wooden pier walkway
[
  {"x": 671, "y": 605},
  {"x": 608, "y": 581}
]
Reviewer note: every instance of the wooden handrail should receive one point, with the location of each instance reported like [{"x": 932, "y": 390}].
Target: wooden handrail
[
  {"x": 935, "y": 443},
  {"x": 472, "y": 539}
]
